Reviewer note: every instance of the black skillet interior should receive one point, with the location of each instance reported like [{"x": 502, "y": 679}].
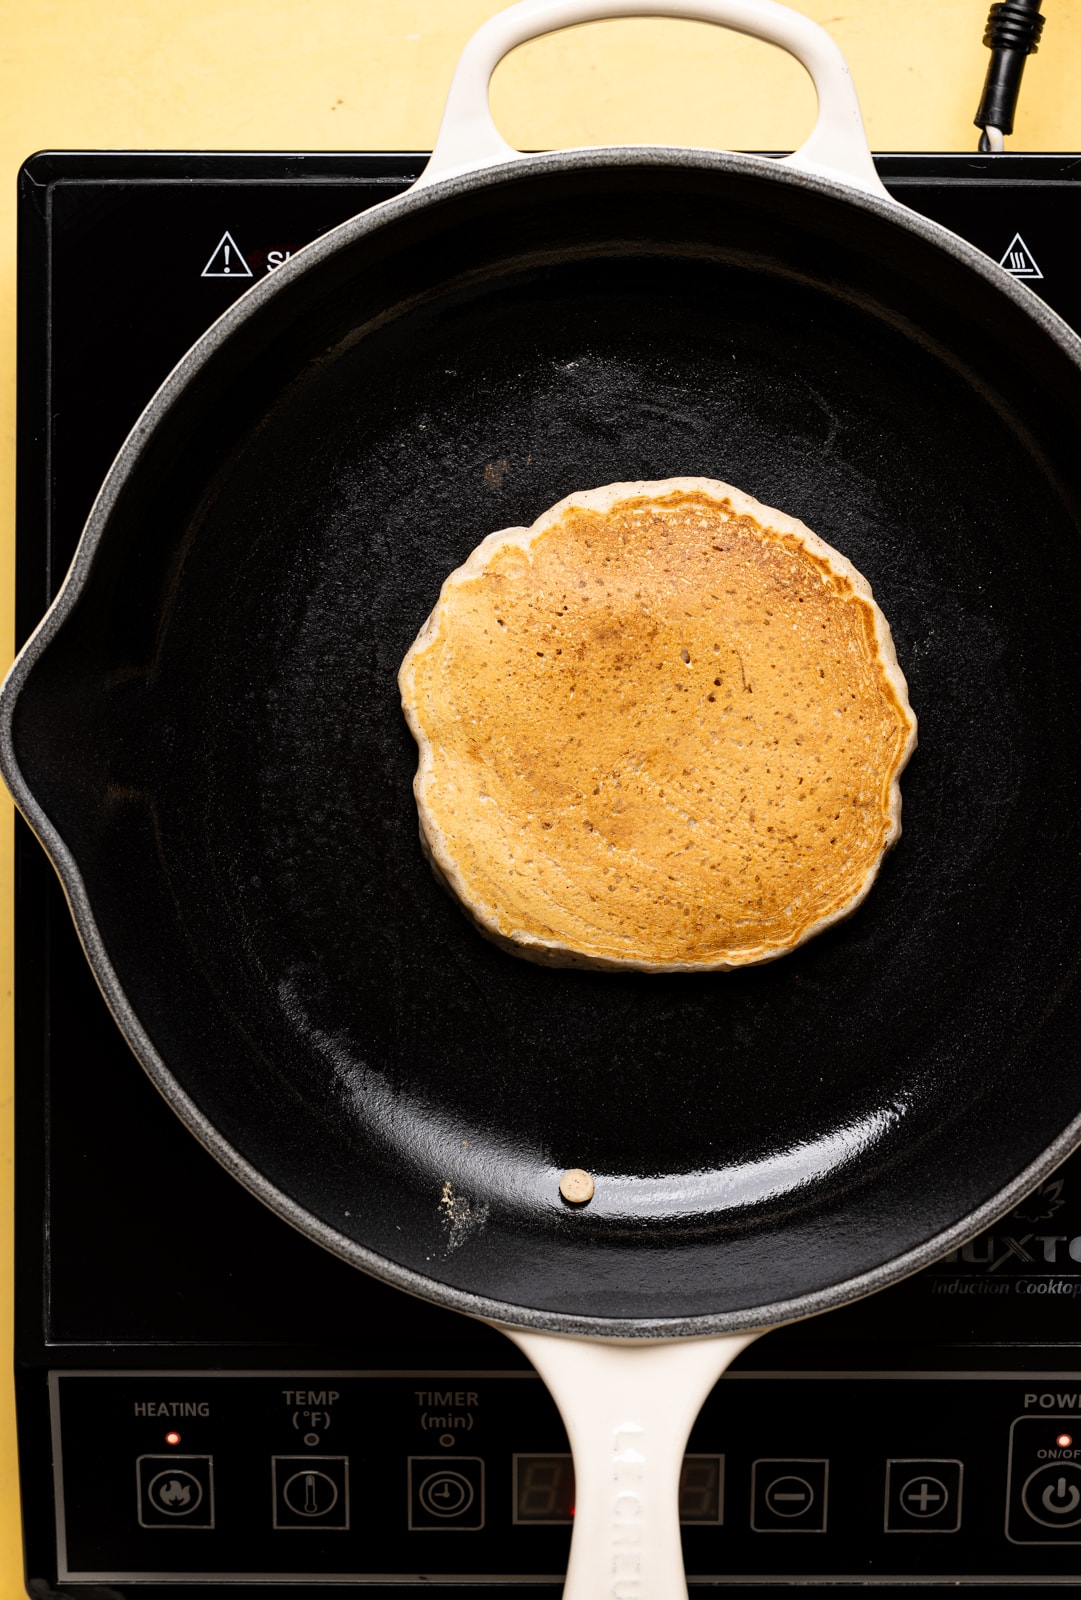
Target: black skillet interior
[{"x": 216, "y": 734}]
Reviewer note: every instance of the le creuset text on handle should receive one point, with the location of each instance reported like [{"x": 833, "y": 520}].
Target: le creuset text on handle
[{"x": 628, "y": 1407}]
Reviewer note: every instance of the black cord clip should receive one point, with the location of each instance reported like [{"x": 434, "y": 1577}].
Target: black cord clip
[{"x": 1013, "y": 32}]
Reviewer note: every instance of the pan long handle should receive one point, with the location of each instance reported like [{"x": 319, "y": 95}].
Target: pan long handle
[
  {"x": 628, "y": 1407},
  {"x": 837, "y": 147}
]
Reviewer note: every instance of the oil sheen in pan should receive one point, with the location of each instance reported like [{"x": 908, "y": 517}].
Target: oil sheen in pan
[{"x": 470, "y": 1174}]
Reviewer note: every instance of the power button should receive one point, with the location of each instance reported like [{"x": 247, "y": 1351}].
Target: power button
[
  {"x": 1044, "y": 1492},
  {"x": 1052, "y": 1495}
]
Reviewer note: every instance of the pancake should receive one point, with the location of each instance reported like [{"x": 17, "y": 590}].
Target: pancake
[{"x": 660, "y": 729}]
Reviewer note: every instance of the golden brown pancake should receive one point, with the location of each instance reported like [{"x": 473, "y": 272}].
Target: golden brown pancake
[{"x": 662, "y": 729}]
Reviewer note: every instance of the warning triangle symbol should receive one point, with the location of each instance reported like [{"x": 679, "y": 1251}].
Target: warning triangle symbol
[
  {"x": 226, "y": 261},
  {"x": 1019, "y": 260}
]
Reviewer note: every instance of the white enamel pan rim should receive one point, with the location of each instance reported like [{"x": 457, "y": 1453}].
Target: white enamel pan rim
[{"x": 469, "y": 167}]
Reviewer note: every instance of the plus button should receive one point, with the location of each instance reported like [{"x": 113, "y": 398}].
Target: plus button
[{"x": 921, "y": 1497}]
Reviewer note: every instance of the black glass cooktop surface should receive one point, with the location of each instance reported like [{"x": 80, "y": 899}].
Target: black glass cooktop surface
[{"x": 205, "y": 1397}]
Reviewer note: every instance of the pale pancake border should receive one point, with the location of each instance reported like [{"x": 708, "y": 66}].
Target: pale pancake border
[{"x": 549, "y": 952}]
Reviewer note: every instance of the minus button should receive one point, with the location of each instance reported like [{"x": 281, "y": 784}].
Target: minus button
[{"x": 789, "y": 1496}]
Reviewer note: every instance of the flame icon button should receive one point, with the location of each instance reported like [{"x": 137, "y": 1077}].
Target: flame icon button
[{"x": 176, "y": 1491}]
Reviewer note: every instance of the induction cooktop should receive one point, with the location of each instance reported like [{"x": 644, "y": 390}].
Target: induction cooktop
[{"x": 210, "y": 1404}]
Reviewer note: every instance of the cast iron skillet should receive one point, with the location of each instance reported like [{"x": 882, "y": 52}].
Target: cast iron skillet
[{"x": 205, "y": 734}]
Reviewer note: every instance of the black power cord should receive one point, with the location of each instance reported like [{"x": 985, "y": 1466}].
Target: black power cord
[{"x": 1013, "y": 32}]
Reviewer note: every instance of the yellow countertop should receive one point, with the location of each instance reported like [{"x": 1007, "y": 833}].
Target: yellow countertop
[{"x": 371, "y": 75}]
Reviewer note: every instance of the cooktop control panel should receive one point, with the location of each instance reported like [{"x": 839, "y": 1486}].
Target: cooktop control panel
[{"x": 466, "y": 1476}]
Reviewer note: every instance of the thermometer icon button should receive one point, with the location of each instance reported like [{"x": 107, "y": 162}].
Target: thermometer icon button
[{"x": 311, "y": 1491}]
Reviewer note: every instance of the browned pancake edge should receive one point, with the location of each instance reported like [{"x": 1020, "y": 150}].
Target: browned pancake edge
[{"x": 595, "y": 793}]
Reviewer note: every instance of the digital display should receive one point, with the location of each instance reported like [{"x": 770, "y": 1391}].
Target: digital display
[
  {"x": 544, "y": 1489},
  {"x": 701, "y": 1487}
]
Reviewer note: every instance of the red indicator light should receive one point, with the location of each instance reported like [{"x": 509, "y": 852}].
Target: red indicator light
[
  {"x": 172, "y": 1438},
  {"x": 1064, "y": 1440}
]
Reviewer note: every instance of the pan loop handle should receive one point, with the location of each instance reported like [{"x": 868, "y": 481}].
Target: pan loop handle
[
  {"x": 837, "y": 148},
  {"x": 628, "y": 1407}
]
